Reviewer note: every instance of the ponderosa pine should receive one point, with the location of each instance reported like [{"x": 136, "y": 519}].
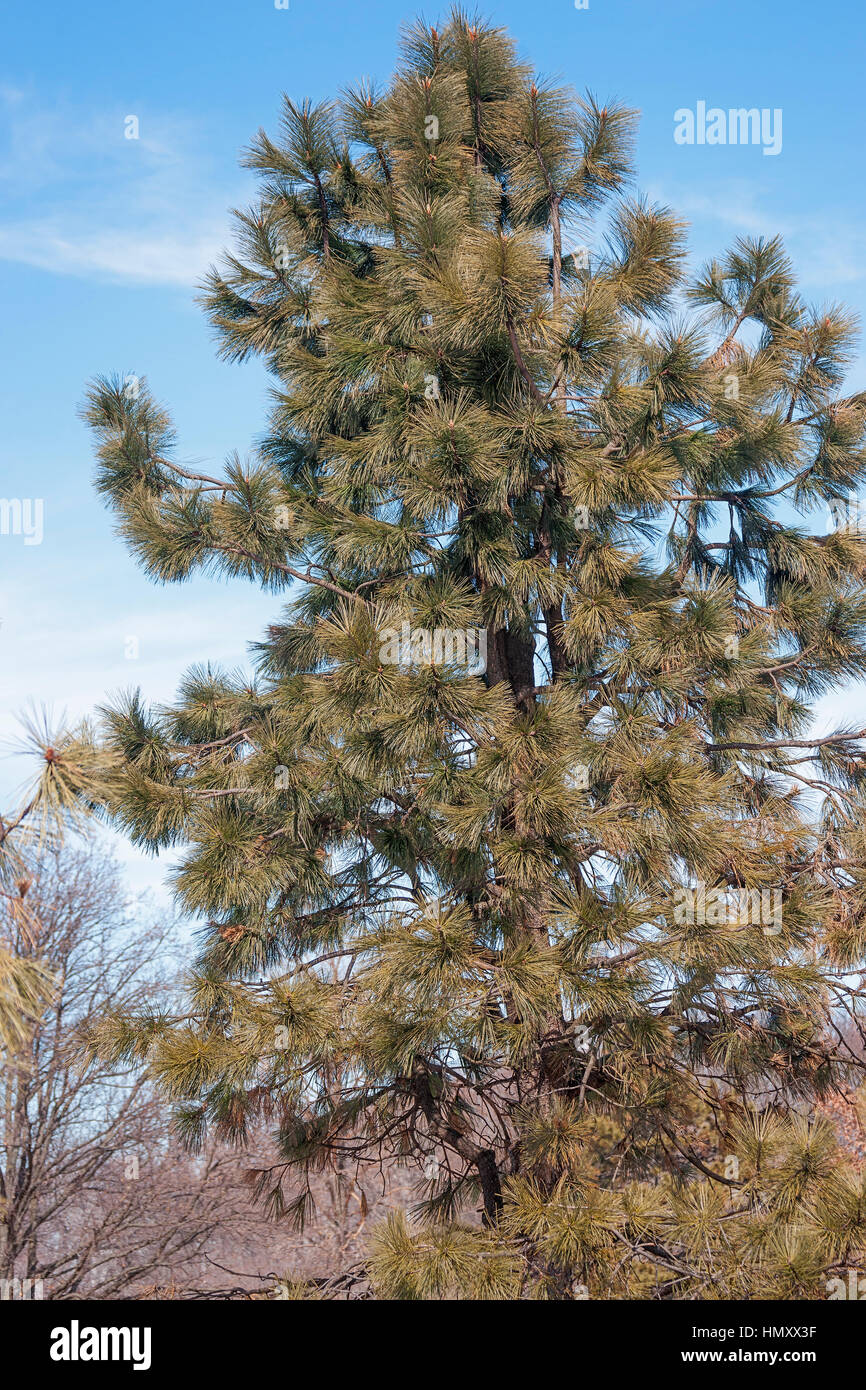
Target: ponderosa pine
[{"x": 580, "y": 935}]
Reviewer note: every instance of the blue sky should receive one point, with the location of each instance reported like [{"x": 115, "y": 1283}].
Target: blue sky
[{"x": 103, "y": 239}]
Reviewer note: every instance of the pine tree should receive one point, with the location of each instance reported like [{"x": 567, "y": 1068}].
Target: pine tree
[
  {"x": 27, "y": 983},
  {"x": 574, "y": 933}
]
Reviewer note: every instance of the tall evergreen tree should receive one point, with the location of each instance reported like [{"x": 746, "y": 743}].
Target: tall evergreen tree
[{"x": 575, "y": 933}]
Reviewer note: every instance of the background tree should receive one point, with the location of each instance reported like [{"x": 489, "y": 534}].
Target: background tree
[
  {"x": 445, "y": 910},
  {"x": 95, "y": 1199}
]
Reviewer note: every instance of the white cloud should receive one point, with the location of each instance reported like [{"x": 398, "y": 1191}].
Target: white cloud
[
  {"x": 86, "y": 201},
  {"x": 117, "y": 255},
  {"x": 827, "y": 249}
]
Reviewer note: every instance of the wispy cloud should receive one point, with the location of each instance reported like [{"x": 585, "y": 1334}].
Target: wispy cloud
[
  {"x": 139, "y": 257},
  {"x": 85, "y": 200},
  {"x": 828, "y": 249}
]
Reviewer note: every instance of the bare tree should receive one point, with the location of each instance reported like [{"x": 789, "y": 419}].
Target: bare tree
[{"x": 96, "y": 1200}]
